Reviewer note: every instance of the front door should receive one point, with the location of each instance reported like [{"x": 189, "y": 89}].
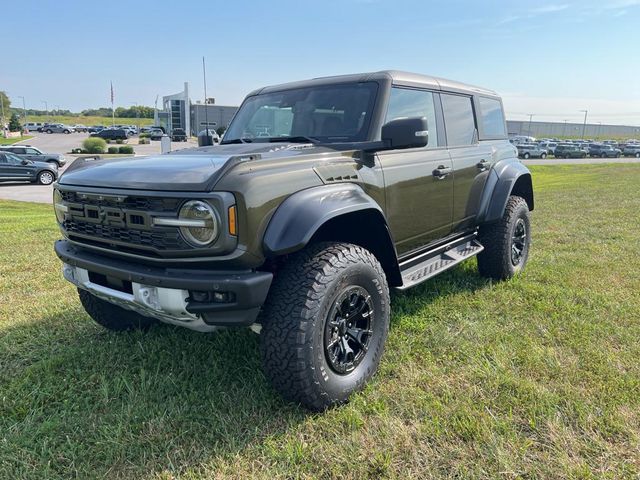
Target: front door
[{"x": 418, "y": 181}]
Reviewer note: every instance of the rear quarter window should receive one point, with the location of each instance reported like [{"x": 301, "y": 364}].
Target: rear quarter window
[{"x": 492, "y": 124}]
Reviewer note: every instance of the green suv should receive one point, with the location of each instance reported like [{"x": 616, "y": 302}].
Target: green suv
[{"x": 323, "y": 195}]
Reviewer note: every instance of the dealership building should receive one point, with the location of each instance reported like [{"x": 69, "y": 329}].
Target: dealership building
[{"x": 179, "y": 112}]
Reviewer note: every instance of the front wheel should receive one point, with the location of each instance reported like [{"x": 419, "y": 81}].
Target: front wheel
[
  {"x": 49, "y": 131},
  {"x": 506, "y": 242},
  {"x": 325, "y": 324},
  {"x": 543, "y": 156},
  {"x": 525, "y": 156}
]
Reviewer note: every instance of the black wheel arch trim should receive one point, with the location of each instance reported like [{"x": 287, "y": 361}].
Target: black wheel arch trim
[
  {"x": 303, "y": 215},
  {"x": 506, "y": 178}
]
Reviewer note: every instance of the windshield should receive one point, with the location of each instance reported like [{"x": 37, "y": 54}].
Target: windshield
[{"x": 333, "y": 113}]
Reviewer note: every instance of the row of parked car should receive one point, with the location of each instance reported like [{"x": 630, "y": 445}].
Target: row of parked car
[
  {"x": 27, "y": 163},
  {"x": 577, "y": 149}
]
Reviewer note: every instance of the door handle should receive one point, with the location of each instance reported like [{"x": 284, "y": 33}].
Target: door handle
[
  {"x": 482, "y": 165},
  {"x": 441, "y": 172}
]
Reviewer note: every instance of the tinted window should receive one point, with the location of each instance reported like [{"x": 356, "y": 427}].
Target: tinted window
[
  {"x": 491, "y": 117},
  {"x": 3, "y": 159},
  {"x": 458, "y": 119},
  {"x": 405, "y": 103},
  {"x": 21, "y": 151},
  {"x": 31, "y": 151},
  {"x": 333, "y": 113}
]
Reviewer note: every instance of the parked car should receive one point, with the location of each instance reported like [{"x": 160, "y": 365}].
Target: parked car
[
  {"x": 292, "y": 230},
  {"x": 80, "y": 128},
  {"x": 33, "y": 126},
  {"x": 16, "y": 169},
  {"x": 550, "y": 147},
  {"x": 111, "y": 134},
  {"x": 178, "y": 135},
  {"x": 604, "y": 151},
  {"x": 35, "y": 154},
  {"x": 155, "y": 134},
  {"x": 215, "y": 138},
  {"x": 95, "y": 128},
  {"x": 632, "y": 150},
  {"x": 566, "y": 150},
  {"x": 58, "y": 128},
  {"x": 531, "y": 150}
]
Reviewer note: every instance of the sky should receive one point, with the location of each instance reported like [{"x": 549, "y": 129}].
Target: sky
[{"x": 548, "y": 58}]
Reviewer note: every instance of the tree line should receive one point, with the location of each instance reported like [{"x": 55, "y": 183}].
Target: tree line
[{"x": 135, "y": 111}]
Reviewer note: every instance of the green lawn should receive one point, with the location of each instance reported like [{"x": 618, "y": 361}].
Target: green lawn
[
  {"x": 11, "y": 141},
  {"x": 538, "y": 377},
  {"x": 89, "y": 120}
]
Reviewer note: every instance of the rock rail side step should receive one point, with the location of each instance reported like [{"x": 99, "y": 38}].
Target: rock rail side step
[{"x": 430, "y": 263}]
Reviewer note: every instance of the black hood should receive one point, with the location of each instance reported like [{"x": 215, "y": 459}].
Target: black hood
[{"x": 194, "y": 169}]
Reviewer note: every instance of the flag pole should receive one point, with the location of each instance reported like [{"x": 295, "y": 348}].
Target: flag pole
[{"x": 113, "y": 113}]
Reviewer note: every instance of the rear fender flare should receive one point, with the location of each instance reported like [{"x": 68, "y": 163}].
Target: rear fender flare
[{"x": 507, "y": 177}]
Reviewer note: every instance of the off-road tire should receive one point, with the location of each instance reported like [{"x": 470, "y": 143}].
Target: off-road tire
[
  {"x": 303, "y": 296},
  {"x": 111, "y": 316},
  {"x": 495, "y": 261}
]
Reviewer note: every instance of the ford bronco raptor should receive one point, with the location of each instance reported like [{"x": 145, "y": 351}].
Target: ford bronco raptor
[{"x": 322, "y": 195}]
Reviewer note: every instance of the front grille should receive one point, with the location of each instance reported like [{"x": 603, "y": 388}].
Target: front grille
[
  {"x": 122, "y": 223},
  {"x": 159, "y": 240},
  {"x": 155, "y": 204}
]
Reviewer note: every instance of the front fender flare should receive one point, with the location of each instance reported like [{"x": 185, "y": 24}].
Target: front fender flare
[{"x": 300, "y": 216}]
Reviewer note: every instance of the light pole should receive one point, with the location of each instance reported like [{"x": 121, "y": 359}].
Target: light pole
[
  {"x": 24, "y": 109},
  {"x": 57, "y": 109},
  {"x": 584, "y": 125},
  {"x": 564, "y": 128},
  {"x": 137, "y": 116},
  {"x": 599, "y": 130},
  {"x": 2, "y": 114},
  {"x": 530, "y": 117},
  {"x": 46, "y": 108}
]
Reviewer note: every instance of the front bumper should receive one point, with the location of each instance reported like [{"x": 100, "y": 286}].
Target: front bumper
[{"x": 165, "y": 293}]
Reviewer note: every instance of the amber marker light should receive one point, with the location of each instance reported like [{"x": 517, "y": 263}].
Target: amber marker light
[{"x": 233, "y": 221}]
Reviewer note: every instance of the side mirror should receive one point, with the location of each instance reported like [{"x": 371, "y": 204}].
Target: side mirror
[
  {"x": 411, "y": 132},
  {"x": 25, "y": 162}
]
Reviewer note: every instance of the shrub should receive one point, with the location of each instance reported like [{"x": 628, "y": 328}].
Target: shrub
[
  {"x": 119, "y": 141},
  {"x": 144, "y": 135},
  {"x": 128, "y": 149},
  {"x": 94, "y": 145},
  {"x": 14, "y": 123},
  {"x": 144, "y": 141},
  {"x": 112, "y": 150}
]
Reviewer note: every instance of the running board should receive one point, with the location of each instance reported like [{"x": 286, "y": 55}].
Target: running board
[{"x": 428, "y": 264}]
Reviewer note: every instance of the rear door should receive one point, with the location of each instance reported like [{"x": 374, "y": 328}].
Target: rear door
[
  {"x": 418, "y": 203},
  {"x": 471, "y": 159},
  {"x": 14, "y": 169}
]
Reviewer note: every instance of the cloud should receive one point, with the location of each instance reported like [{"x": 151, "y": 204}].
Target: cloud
[{"x": 549, "y": 9}]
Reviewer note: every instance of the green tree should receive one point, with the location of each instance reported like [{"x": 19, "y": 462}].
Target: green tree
[
  {"x": 220, "y": 131},
  {"x": 14, "y": 124}
]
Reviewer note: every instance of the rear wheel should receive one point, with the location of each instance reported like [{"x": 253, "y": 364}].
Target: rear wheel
[
  {"x": 525, "y": 156},
  {"x": 638, "y": 155},
  {"x": 325, "y": 323},
  {"x": 543, "y": 156},
  {"x": 111, "y": 316},
  {"x": 49, "y": 131},
  {"x": 506, "y": 242}
]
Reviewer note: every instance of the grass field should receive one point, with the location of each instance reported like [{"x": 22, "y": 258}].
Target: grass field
[
  {"x": 538, "y": 377},
  {"x": 11, "y": 141},
  {"x": 88, "y": 121}
]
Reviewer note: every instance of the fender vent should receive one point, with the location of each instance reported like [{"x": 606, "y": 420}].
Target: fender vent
[{"x": 337, "y": 172}]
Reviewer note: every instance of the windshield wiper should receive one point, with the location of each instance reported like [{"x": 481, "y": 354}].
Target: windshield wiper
[
  {"x": 236, "y": 140},
  {"x": 296, "y": 139}
]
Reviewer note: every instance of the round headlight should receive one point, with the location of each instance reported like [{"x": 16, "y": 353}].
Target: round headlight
[
  {"x": 58, "y": 206},
  {"x": 204, "y": 229}
]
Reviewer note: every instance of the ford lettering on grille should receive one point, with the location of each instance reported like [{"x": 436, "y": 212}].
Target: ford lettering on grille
[{"x": 112, "y": 216}]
